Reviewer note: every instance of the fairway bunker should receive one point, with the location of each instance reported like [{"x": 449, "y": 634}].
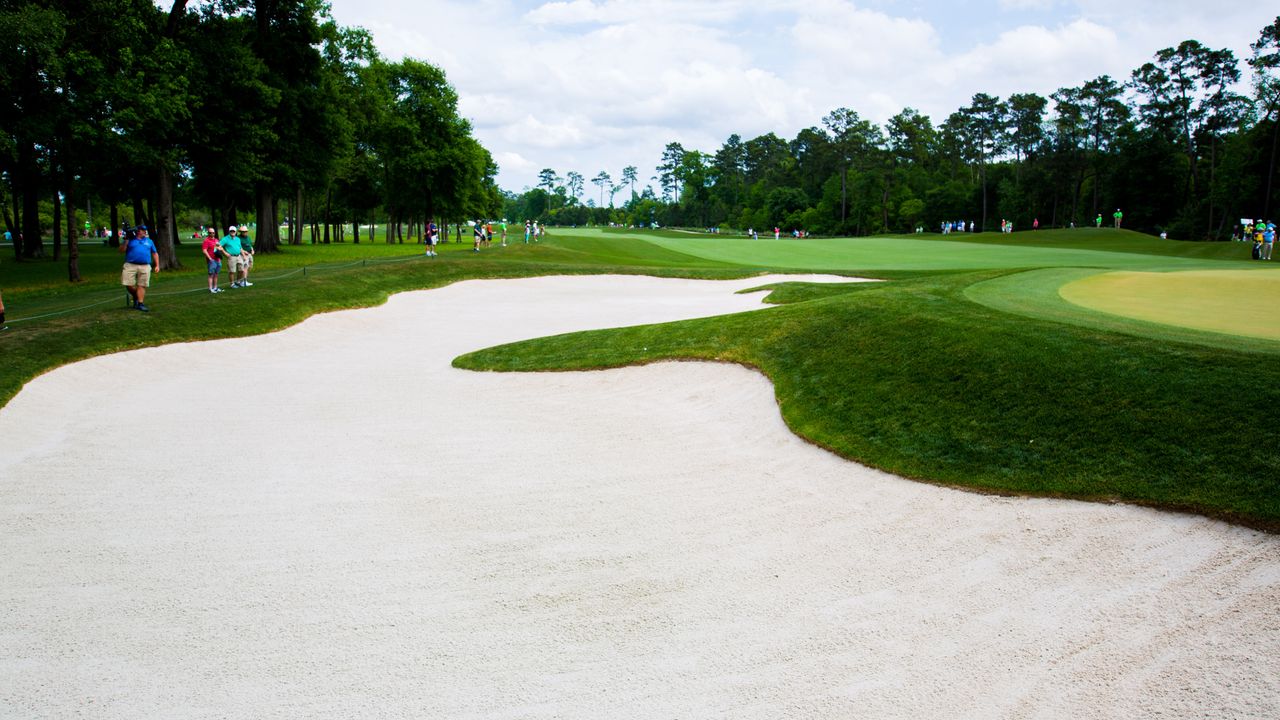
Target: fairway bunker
[{"x": 364, "y": 530}]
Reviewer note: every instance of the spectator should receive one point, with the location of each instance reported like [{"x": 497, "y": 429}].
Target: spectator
[
  {"x": 212, "y": 257},
  {"x": 139, "y": 257},
  {"x": 246, "y": 256},
  {"x": 231, "y": 249}
]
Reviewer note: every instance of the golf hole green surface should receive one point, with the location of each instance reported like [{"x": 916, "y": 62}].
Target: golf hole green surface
[{"x": 1238, "y": 302}]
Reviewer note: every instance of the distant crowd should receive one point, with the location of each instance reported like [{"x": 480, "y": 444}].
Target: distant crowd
[{"x": 1263, "y": 235}]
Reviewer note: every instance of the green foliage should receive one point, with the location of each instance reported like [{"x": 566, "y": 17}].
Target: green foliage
[{"x": 1175, "y": 147}]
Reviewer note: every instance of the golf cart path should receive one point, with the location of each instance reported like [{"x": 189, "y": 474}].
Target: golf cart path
[{"x": 331, "y": 521}]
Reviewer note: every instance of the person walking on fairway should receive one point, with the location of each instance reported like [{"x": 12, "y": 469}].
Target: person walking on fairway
[
  {"x": 527, "y": 230},
  {"x": 139, "y": 257},
  {"x": 1118, "y": 216},
  {"x": 212, "y": 258}
]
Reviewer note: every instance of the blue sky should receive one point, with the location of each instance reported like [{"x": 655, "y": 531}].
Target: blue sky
[{"x": 591, "y": 85}]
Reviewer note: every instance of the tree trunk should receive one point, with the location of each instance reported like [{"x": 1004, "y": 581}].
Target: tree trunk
[
  {"x": 296, "y": 229},
  {"x": 268, "y": 240},
  {"x": 32, "y": 244},
  {"x": 1271, "y": 171},
  {"x": 844, "y": 213},
  {"x": 9, "y": 225},
  {"x": 114, "y": 240},
  {"x": 328, "y": 205},
  {"x": 73, "y": 238},
  {"x": 355, "y": 229},
  {"x": 165, "y": 229},
  {"x": 57, "y": 226}
]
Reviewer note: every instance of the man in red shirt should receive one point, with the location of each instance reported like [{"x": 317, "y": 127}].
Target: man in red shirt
[{"x": 212, "y": 259}]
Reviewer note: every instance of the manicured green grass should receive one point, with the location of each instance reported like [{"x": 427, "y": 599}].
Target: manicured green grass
[
  {"x": 1037, "y": 294},
  {"x": 1110, "y": 249},
  {"x": 968, "y": 368},
  {"x": 1237, "y": 302}
]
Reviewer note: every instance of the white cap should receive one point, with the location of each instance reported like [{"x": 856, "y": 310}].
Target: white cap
[{"x": 233, "y": 228}]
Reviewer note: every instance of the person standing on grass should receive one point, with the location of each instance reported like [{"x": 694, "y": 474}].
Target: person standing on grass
[
  {"x": 1268, "y": 239},
  {"x": 477, "y": 236},
  {"x": 1118, "y": 216},
  {"x": 231, "y": 249},
  {"x": 3, "y": 327},
  {"x": 212, "y": 259},
  {"x": 139, "y": 257},
  {"x": 1097, "y": 222},
  {"x": 503, "y": 226},
  {"x": 246, "y": 256}
]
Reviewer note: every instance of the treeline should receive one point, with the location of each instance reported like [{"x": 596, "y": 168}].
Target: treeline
[
  {"x": 263, "y": 109},
  {"x": 1174, "y": 146}
]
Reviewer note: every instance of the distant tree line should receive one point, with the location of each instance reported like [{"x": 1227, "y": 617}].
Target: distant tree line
[
  {"x": 1174, "y": 145},
  {"x": 262, "y": 109}
]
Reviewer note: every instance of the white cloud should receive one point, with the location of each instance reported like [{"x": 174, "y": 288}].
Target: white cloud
[{"x": 599, "y": 84}]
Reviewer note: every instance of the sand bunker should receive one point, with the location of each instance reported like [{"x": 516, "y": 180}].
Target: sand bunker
[{"x": 332, "y": 522}]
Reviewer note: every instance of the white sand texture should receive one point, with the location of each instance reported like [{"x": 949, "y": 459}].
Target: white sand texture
[{"x": 332, "y": 522}]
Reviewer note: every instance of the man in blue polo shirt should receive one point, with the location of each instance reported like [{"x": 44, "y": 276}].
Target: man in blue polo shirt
[
  {"x": 139, "y": 256},
  {"x": 232, "y": 248}
]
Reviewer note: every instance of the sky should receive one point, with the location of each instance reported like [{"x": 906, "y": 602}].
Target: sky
[{"x": 592, "y": 85}]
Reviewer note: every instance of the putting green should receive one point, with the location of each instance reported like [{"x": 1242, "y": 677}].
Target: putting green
[{"x": 1236, "y": 302}]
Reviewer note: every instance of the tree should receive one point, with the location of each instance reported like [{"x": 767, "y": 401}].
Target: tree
[
  {"x": 1184, "y": 89},
  {"x": 985, "y": 123},
  {"x": 852, "y": 137},
  {"x": 602, "y": 180},
  {"x": 574, "y": 181},
  {"x": 548, "y": 179},
  {"x": 1265, "y": 61},
  {"x": 1026, "y": 124},
  {"x": 669, "y": 171},
  {"x": 629, "y": 177}
]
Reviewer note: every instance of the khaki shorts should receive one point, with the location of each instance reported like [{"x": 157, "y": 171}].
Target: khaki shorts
[
  {"x": 136, "y": 275},
  {"x": 234, "y": 263}
]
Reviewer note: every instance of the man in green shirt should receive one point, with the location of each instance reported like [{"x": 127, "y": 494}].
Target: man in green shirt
[
  {"x": 1118, "y": 216},
  {"x": 246, "y": 256}
]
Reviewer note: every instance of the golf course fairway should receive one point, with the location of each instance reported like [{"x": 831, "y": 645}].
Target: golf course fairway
[{"x": 1237, "y": 302}]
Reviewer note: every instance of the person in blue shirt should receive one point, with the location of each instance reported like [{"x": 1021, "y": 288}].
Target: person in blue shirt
[
  {"x": 139, "y": 256},
  {"x": 231, "y": 249}
]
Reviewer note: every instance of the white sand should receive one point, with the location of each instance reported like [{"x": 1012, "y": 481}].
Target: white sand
[{"x": 371, "y": 533}]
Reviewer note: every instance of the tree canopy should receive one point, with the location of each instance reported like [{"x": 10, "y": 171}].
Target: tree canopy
[{"x": 220, "y": 112}]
